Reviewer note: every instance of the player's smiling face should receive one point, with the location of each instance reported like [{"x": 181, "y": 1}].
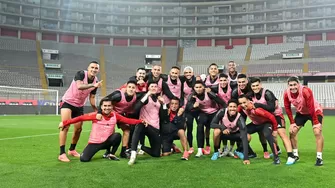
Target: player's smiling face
[
  {"x": 174, "y": 74},
  {"x": 174, "y": 104},
  {"x": 156, "y": 71},
  {"x": 223, "y": 82},
  {"x": 231, "y": 66},
  {"x": 242, "y": 83},
  {"x": 106, "y": 107},
  {"x": 213, "y": 70},
  {"x": 294, "y": 86},
  {"x": 140, "y": 75},
  {"x": 131, "y": 88},
  {"x": 188, "y": 74},
  {"x": 244, "y": 102},
  {"x": 153, "y": 88},
  {"x": 232, "y": 109},
  {"x": 256, "y": 87},
  {"x": 93, "y": 69},
  {"x": 199, "y": 88}
]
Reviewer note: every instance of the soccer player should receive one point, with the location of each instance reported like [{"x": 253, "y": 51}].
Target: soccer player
[
  {"x": 84, "y": 85},
  {"x": 103, "y": 135},
  {"x": 188, "y": 83},
  {"x": 232, "y": 74},
  {"x": 156, "y": 76},
  {"x": 213, "y": 77},
  {"x": 261, "y": 121},
  {"x": 207, "y": 103},
  {"x": 173, "y": 127},
  {"x": 224, "y": 91},
  {"x": 243, "y": 86},
  {"x": 228, "y": 124},
  {"x": 175, "y": 85},
  {"x": 264, "y": 98},
  {"x": 141, "y": 85},
  {"x": 123, "y": 101},
  {"x": 150, "y": 110},
  {"x": 307, "y": 108}
]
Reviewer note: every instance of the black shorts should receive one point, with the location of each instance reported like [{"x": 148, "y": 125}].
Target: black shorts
[
  {"x": 75, "y": 111},
  {"x": 280, "y": 122},
  {"x": 301, "y": 119},
  {"x": 252, "y": 128},
  {"x": 167, "y": 141},
  {"x": 236, "y": 136}
]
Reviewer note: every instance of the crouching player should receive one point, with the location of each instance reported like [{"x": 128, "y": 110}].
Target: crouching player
[
  {"x": 103, "y": 135},
  {"x": 228, "y": 124},
  {"x": 173, "y": 127}
]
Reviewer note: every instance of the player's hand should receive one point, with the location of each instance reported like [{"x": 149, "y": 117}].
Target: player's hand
[
  {"x": 98, "y": 84},
  {"x": 145, "y": 123},
  {"x": 98, "y": 117},
  {"x": 180, "y": 111},
  {"x": 317, "y": 126},
  {"x": 226, "y": 131},
  {"x": 274, "y": 133},
  {"x": 246, "y": 162},
  {"x": 61, "y": 126},
  {"x": 141, "y": 81},
  {"x": 196, "y": 105},
  {"x": 208, "y": 90},
  {"x": 293, "y": 127},
  {"x": 160, "y": 99}
]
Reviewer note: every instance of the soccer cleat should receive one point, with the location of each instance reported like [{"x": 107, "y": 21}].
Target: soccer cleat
[
  {"x": 230, "y": 154},
  {"x": 132, "y": 158},
  {"x": 112, "y": 157},
  {"x": 140, "y": 152},
  {"x": 199, "y": 154},
  {"x": 224, "y": 153},
  {"x": 63, "y": 158},
  {"x": 185, "y": 156},
  {"x": 276, "y": 161},
  {"x": 239, "y": 154},
  {"x": 191, "y": 150},
  {"x": 296, "y": 158},
  {"x": 253, "y": 155},
  {"x": 215, "y": 156},
  {"x": 207, "y": 150},
  {"x": 266, "y": 155},
  {"x": 290, "y": 161},
  {"x": 73, "y": 153},
  {"x": 319, "y": 162}
]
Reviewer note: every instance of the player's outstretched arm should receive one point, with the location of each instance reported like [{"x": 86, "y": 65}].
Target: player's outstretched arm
[{"x": 85, "y": 117}]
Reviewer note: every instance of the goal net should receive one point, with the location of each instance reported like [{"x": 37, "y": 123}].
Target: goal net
[{"x": 18, "y": 100}]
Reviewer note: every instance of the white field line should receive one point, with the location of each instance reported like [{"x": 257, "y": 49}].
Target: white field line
[{"x": 33, "y": 136}]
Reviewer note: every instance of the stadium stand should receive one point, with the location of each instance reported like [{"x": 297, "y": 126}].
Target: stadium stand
[
  {"x": 214, "y": 53},
  {"x": 274, "y": 51},
  {"x": 320, "y": 49}
]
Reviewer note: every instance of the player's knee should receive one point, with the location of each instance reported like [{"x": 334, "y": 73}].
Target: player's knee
[
  {"x": 117, "y": 136},
  {"x": 217, "y": 132},
  {"x": 317, "y": 132},
  {"x": 126, "y": 132},
  {"x": 78, "y": 130}
]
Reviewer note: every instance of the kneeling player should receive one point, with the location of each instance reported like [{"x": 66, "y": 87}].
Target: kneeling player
[
  {"x": 173, "y": 127},
  {"x": 103, "y": 135},
  {"x": 262, "y": 121},
  {"x": 228, "y": 124}
]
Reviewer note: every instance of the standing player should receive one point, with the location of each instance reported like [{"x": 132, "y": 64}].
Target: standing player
[
  {"x": 141, "y": 85},
  {"x": 188, "y": 83},
  {"x": 103, "y": 135},
  {"x": 264, "y": 98},
  {"x": 213, "y": 77},
  {"x": 149, "y": 107},
  {"x": 228, "y": 124},
  {"x": 84, "y": 85},
  {"x": 175, "y": 85},
  {"x": 207, "y": 103},
  {"x": 262, "y": 121},
  {"x": 307, "y": 108},
  {"x": 156, "y": 76},
  {"x": 173, "y": 127},
  {"x": 232, "y": 74}
]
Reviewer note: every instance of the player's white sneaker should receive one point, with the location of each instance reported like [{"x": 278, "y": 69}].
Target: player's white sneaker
[
  {"x": 290, "y": 161},
  {"x": 132, "y": 158},
  {"x": 225, "y": 153},
  {"x": 199, "y": 154},
  {"x": 230, "y": 154}
]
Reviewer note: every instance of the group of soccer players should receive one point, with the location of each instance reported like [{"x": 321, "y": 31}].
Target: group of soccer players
[{"x": 162, "y": 108}]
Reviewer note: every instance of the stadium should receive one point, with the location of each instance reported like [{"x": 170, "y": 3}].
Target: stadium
[{"x": 44, "y": 43}]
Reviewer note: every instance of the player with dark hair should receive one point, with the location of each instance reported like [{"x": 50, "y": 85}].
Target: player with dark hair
[
  {"x": 207, "y": 103},
  {"x": 140, "y": 77},
  {"x": 232, "y": 74},
  {"x": 228, "y": 124},
  {"x": 213, "y": 75},
  {"x": 83, "y": 86},
  {"x": 307, "y": 108},
  {"x": 175, "y": 85},
  {"x": 103, "y": 135}
]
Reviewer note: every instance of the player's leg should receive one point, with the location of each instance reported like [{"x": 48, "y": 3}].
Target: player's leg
[
  {"x": 267, "y": 131},
  {"x": 139, "y": 129},
  {"x": 66, "y": 113},
  {"x": 111, "y": 145},
  {"x": 125, "y": 139},
  {"x": 300, "y": 121},
  {"x": 202, "y": 119},
  {"x": 189, "y": 128},
  {"x": 262, "y": 140},
  {"x": 167, "y": 142},
  {"x": 319, "y": 141},
  {"x": 207, "y": 150},
  {"x": 216, "y": 140},
  {"x": 76, "y": 132},
  {"x": 90, "y": 150},
  {"x": 155, "y": 142},
  {"x": 286, "y": 141}
]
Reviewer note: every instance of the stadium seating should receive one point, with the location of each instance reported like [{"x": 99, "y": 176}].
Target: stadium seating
[
  {"x": 314, "y": 67},
  {"x": 274, "y": 51},
  {"x": 17, "y": 44},
  {"x": 320, "y": 49},
  {"x": 214, "y": 53},
  {"x": 275, "y": 68},
  {"x": 324, "y": 93}
]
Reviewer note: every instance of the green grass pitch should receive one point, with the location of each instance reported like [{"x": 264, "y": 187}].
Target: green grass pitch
[{"x": 31, "y": 161}]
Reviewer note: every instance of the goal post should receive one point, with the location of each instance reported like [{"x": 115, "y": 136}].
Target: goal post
[{"x": 20, "y": 100}]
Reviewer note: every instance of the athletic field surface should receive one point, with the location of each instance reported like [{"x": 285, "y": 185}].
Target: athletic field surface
[{"x": 29, "y": 151}]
